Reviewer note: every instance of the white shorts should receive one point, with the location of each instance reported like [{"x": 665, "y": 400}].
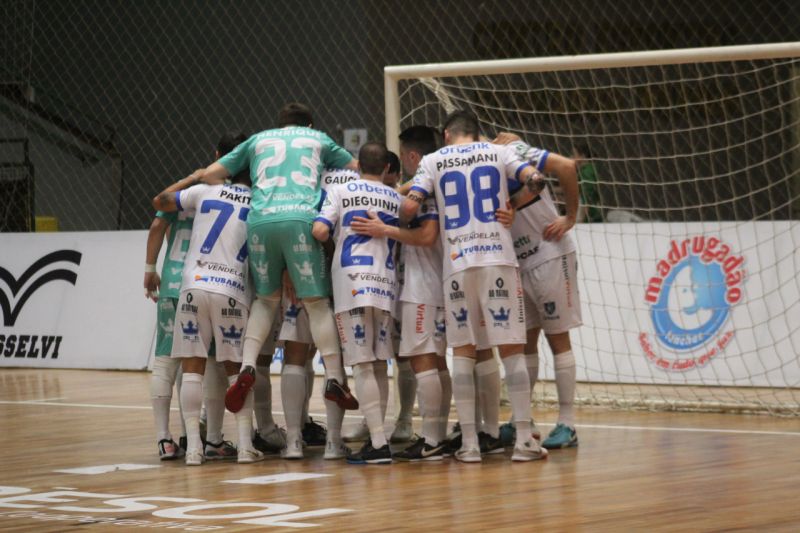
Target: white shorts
[
  {"x": 203, "y": 315},
  {"x": 365, "y": 334},
  {"x": 484, "y": 307},
  {"x": 295, "y": 323},
  {"x": 423, "y": 330},
  {"x": 552, "y": 301}
]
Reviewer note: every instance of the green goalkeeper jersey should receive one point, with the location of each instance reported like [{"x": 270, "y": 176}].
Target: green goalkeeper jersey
[
  {"x": 180, "y": 231},
  {"x": 285, "y": 168}
]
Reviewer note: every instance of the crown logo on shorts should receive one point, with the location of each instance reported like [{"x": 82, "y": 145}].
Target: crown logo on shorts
[
  {"x": 190, "y": 328},
  {"x": 232, "y": 333},
  {"x": 501, "y": 315}
]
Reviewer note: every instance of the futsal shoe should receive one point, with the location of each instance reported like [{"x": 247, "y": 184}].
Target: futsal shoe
[
  {"x": 489, "y": 445},
  {"x": 360, "y": 433},
  {"x": 340, "y": 394},
  {"x": 221, "y": 450},
  {"x": 562, "y": 436},
  {"x": 421, "y": 451},
  {"x": 336, "y": 450},
  {"x": 168, "y": 450},
  {"x": 369, "y": 455},
  {"x": 194, "y": 457},
  {"x": 293, "y": 449},
  {"x": 237, "y": 393},
  {"x": 183, "y": 442},
  {"x": 528, "y": 451},
  {"x": 508, "y": 433},
  {"x": 452, "y": 444},
  {"x": 271, "y": 442},
  {"x": 468, "y": 455},
  {"x": 314, "y": 434},
  {"x": 403, "y": 431},
  {"x": 249, "y": 455}
]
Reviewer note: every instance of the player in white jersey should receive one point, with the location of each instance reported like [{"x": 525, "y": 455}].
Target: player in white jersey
[
  {"x": 166, "y": 290},
  {"x": 548, "y": 266},
  {"x": 364, "y": 291},
  {"x": 483, "y": 295},
  {"x": 215, "y": 297}
]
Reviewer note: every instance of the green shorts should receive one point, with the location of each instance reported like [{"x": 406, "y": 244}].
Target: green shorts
[
  {"x": 288, "y": 244},
  {"x": 166, "y": 327}
]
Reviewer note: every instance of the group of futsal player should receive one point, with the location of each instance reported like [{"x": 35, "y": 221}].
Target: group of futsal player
[{"x": 470, "y": 253}]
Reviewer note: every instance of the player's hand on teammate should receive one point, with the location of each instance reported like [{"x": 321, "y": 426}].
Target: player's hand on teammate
[
  {"x": 505, "y": 216},
  {"x": 505, "y": 137},
  {"x": 372, "y": 226},
  {"x": 152, "y": 282},
  {"x": 558, "y": 228}
]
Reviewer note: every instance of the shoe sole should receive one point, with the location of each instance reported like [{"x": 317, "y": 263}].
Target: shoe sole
[
  {"x": 494, "y": 451},
  {"x": 249, "y": 460},
  {"x": 348, "y": 403},
  {"x": 237, "y": 393},
  {"x": 570, "y": 444},
  {"x": 468, "y": 459},
  {"x": 527, "y": 457},
  {"x": 220, "y": 457}
]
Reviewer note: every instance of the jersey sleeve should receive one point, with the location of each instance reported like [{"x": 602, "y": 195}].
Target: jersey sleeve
[
  {"x": 535, "y": 156},
  {"x": 333, "y": 155},
  {"x": 513, "y": 162},
  {"x": 170, "y": 217},
  {"x": 428, "y": 210},
  {"x": 423, "y": 179},
  {"x": 188, "y": 199},
  {"x": 239, "y": 158},
  {"x": 329, "y": 212}
]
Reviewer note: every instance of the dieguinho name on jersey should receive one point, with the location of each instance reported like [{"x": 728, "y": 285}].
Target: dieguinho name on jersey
[
  {"x": 452, "y": 162},
  {"x": 368, "y": 201}
]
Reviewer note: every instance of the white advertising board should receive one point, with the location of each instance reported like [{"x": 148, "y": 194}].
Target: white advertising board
[{"x": 74, "y": 300}]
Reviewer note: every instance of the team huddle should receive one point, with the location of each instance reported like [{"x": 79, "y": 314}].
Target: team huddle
[{"x": 286, "y": 240}]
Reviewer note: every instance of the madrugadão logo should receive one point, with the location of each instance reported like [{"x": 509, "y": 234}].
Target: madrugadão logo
[{"x": 690, "y": 297}]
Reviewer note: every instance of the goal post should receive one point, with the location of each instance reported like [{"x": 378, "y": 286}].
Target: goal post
[{"x": 688, "y": 278}]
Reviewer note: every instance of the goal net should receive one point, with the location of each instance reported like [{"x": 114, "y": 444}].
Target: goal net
[{"x": 689, "y": 251}]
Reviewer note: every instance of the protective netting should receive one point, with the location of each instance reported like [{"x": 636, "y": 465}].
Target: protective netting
[
  {"x": 689, "y": 243},
  {"x": 119, "y": 98}
]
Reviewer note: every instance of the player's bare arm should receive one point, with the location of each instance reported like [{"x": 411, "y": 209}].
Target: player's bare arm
[
  {"x": 424, "y": 235},
  {"x": 410, "y": 206},
  {"x": 320, "y": 231},
  {"x": 165, "y": 200},
  {"x": 505, "y": 216},
  {"x": 565, "y": 169},
  {"x": 404, "y": 188},
  {"x": 214, "y": 174},
  {"x": 152, "y": 281}
]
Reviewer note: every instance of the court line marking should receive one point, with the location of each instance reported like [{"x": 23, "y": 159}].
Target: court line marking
[{"x": 322, "y": 415}]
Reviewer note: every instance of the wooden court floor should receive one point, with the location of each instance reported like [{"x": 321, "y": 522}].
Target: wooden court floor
[{"x": 79, "y": 455}]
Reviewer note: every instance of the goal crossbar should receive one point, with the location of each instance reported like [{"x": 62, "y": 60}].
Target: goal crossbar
[{"x": 392, "y": 75}]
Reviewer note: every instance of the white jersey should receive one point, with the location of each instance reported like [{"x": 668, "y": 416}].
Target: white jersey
[
  {"x": 470, "y": 181},
  {"x": 363, "y": 271},
  {"x": 422, "y": 265},
  {"x": 335, "y": 176},
  {"x": 217, "y": 257},
  {"x": 531, "y": 219}
]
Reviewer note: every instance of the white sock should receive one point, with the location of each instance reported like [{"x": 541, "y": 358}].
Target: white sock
[
  {"x": 382, "y": 378},
  {"x": 178, "y": 385},
  {"x": 447, "y": 399},
  {"x": 322, "y": 325},
  {"x": 244, "y": 419},
  {"x": 192, "y": 399},
  {"x": 333, "y": 413},
  {"x": 464, "y": 396},
  {"x": 259, "y": 324},
  {"x": 406, "y": 388},
  {"x": 519, "y": 394},
  {"x": 214, "y": 386},
  {"x": 293, "y": 394},
  {"x": 262, "y": 400},
  {"x": 430, "y": 402},
  {"x": 487, "y": 374},
  {"x": 165, "y": 369},
  {"x": 532, "y": 364},
  {"x": 564, "y": 364},
  {"x": 309, "y": 388},
  {"x": 369, "y": 399}
]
